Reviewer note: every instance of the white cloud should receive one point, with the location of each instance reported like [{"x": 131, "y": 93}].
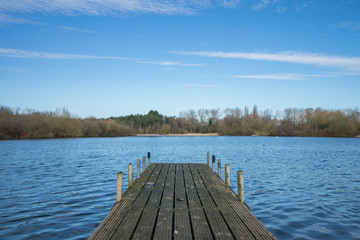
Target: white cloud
[
  {"x": 261, "y": 4},
  {"x": 230, "y": 3},
  {"x": 349, "y": 25},
  {"x": 6, "y": 18},
  {"x": 283, "y": 76},
  {"x": 111, "y": 7},
  {"x": 277, "y": 5},
  {"x": 169, "y": 64},
  {"x": 347, "y": 63},
  {"x": 74, "y": 29},
  {"x": 91, "y": 7},
  {"x": 166, "y": 63},
  {"x": 17, "y": 53},
  {"x": 191, "y": 64},
  {"x": 10, "y": 8}
]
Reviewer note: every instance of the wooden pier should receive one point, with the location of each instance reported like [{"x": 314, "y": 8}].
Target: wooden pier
[{"x": 180, "y": 201}]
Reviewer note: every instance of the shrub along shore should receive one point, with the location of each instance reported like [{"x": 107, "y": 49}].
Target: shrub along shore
[{"x": 31, "y": 124}]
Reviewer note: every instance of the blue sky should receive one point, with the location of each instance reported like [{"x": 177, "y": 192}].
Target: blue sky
[{"x": 118, "y": 57}]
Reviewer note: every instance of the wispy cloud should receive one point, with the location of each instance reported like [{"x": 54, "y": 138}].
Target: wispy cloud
[
  {"x": 170, "y": 64},
  {"x": 10, "y": 8},
  {"x": 283, "y": 76},
  {"x": 261, "y": 4},
  {"x": 17, "y": 53},
  {"x": 111, "y": 7},
  {"x": 281, "y": 6},
  {"x": 349, "y": 25},
  {"x": 230, "y": 3},
  {"x": 264, "y": 4},
  {"x": 74, "y": 29},
  {"x": 346, "y": 63},
  {"x": 6, "y": 18},
  {"x": 93, "y": 7}
]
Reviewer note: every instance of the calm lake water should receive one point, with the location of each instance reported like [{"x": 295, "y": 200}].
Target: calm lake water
[{"x": 300, "y": 188}]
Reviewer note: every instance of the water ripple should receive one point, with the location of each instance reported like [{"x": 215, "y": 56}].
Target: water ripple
[{"x": 300, "y": 188}]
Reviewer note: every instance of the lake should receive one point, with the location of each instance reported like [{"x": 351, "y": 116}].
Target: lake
[{"x": 300, "y": 188}]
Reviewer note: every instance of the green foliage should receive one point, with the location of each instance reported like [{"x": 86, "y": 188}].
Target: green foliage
[{"x": 149, "y": 123}]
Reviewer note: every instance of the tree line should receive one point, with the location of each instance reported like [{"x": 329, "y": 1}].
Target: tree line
[{"x": 17, "y": 124}]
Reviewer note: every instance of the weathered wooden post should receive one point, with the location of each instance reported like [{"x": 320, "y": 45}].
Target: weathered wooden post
[
  {"x": 213, "y": 163},
  {"x": 208, "y": 159},
  {"x": 240, "y": 179},
  {"x": 144, "y": 163},
  {"x": 148, "y": 158},
  {"x": 119, "y": 186},
  {"x": 227, "y": 175},
  {"x": 130, "y": 175},
  {"x": 138, "y": 168},
  {"x": 219, "y": 167}
]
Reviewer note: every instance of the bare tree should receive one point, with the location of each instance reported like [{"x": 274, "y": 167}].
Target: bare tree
[{"x": 201, "y": 113}]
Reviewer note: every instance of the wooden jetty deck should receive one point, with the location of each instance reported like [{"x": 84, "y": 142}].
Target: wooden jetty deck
[{"x": 180, "y": 201}]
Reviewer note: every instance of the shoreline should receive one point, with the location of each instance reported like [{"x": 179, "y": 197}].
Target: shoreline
[
  {"x": 169, "y": 135},
  {"x": 178, "y": 135}
]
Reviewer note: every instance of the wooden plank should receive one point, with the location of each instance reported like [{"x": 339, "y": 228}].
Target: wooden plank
[
  {"x": 163, "y": 229},
  {"x": 147, "y": 222},
  {"x": 217, "y": 224},
  {"x": 127, "y": 227},
  {"x": 199, "y": 224},
  {"x": 257, "y": 228},
  {"x": 182, "y": 228},
  {"x": 118, "y": 211},
  {"x": 194, "y": 205},
  {"x": 236, "y": 226}
]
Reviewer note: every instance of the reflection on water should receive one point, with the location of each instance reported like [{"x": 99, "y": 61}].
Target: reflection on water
[{"x": 300, "y": 188}]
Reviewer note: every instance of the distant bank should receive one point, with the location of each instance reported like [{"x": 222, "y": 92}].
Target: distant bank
[
  {"x": 29, "y": 124},
  {"x": 195, "y": 134},
  {"x": 185, "y": 134}
]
